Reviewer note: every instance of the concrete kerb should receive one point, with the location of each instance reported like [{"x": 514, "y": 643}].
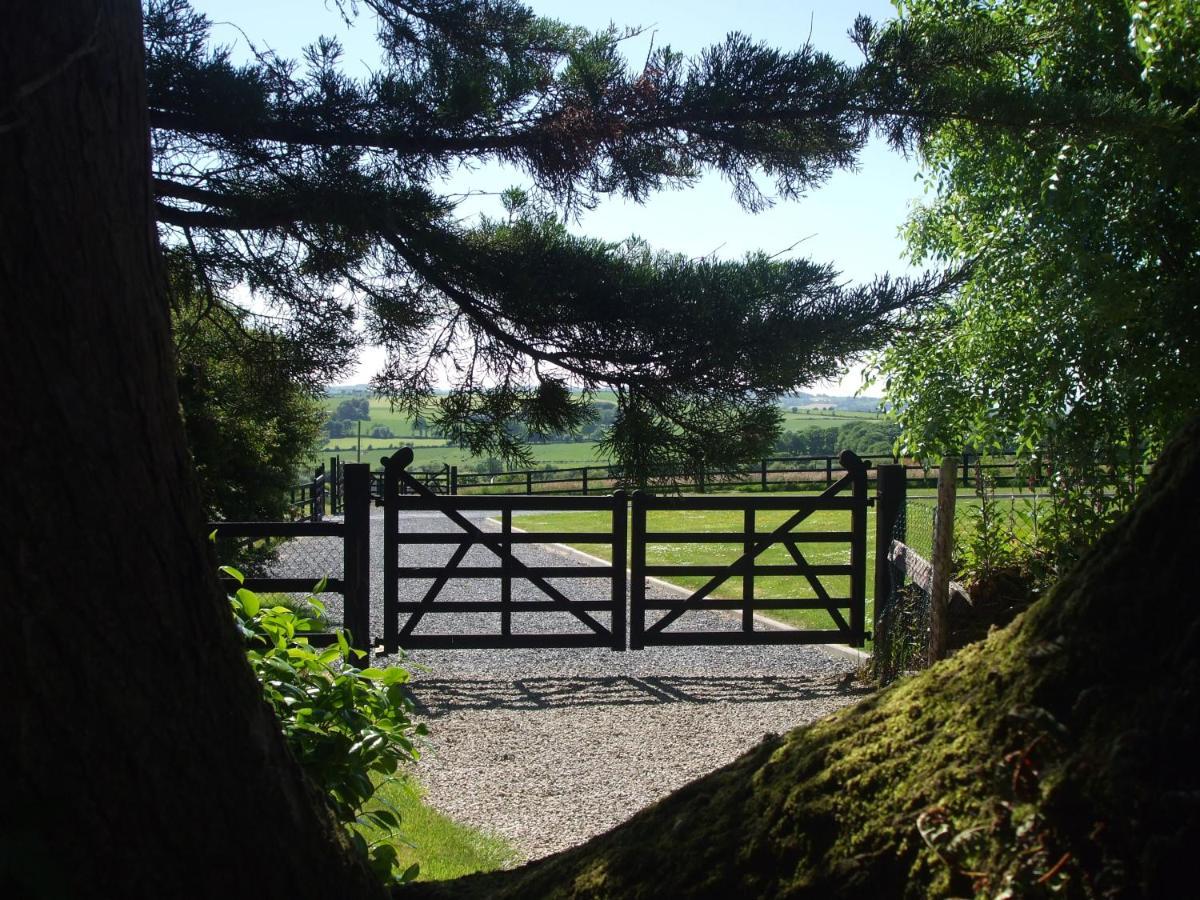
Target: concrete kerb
[{"x": 851, "y": 653}]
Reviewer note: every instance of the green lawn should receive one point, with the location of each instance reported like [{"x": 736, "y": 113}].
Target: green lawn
[
  {"x": 766, "y": 587},
  {"x": 441, "y": 847}
]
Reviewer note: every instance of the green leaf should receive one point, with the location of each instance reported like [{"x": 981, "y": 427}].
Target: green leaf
[
  {"x": 232, "y": 572},
  {"x": 249, "y": 601}
]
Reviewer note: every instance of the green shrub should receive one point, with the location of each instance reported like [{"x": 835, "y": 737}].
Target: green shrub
[{"x": 342, "y": 723}]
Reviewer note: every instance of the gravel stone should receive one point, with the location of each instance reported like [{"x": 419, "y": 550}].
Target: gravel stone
[{"x": 548, "y": 747}]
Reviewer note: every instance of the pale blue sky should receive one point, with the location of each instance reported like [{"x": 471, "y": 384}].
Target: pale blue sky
[{"x": 852, "y": 221}]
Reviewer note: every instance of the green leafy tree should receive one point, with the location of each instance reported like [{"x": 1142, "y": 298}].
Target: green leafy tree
[
  {"x": 251, "y": 423},
  {"x": 1067, "y": 184},
  {"x": 356, "y": 409},
  {"x": 298, "y": 179}
]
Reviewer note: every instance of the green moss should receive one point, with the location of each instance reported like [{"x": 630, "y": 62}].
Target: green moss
[{"x": 1055, "y": 756}]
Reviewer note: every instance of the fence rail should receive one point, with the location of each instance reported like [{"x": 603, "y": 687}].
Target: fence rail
[{"x": 767, "y": 473}]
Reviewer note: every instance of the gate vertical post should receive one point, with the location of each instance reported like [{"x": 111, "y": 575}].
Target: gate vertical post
[
  {"x": 391, "y": 560},
  {"x": 506, "y": 571},
  {"x": 858, "y": 547},
  {"x": 320, "y": 482},
  {"x": 356, "y": 556},
  {"x": 890, "y": 495},
  {"x": 620, "y": 525},
  {"x": 637, "y": 572},
  {"x": 748, "y": 575}
]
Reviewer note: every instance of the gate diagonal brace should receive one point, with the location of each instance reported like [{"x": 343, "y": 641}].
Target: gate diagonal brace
[
  {"x": 434, "y": 589},
  {"x": 492, "y": 542},
  {"x": 748, "y": 558},
  {"x": 815, "y": 584}
]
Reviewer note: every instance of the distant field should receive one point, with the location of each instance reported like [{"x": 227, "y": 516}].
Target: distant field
[
  {"x": 798, "y": 421},
  {"x": 433, "y": 451}
]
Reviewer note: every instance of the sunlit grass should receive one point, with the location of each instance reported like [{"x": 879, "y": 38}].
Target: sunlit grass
[{"x": 441, "y": 847}]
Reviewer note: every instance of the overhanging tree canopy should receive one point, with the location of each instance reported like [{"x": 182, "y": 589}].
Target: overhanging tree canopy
[
  {"x": 318, "y": 190},
  {"x": 1076, "y": 335}
]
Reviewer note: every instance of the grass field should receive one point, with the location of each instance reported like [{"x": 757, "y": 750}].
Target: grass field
[
  {"x": 766, "y": 587},
  {"x": 561, "y": 455},
  {"x": 814, "y": 418}
]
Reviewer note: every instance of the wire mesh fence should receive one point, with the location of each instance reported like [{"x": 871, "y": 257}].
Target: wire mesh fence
[
  {"x": 313, "y": 558},
  {"x": 902, "y": 626}
]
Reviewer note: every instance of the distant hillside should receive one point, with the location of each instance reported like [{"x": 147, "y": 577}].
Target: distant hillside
[
  {"x": 824, "y": 401},
  {"x": 801, "y": 399}
]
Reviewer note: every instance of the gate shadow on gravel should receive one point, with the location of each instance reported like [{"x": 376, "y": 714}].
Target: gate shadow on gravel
[{"x": 440, "y": 697}]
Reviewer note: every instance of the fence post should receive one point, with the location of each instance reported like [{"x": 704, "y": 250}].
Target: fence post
[
  {"x": 318, "y": 506},
  {"x": 585, "y": 489},
  {"x": 943, "y": 546},
  {"x": 506, "y": 571},
  {"x": 356, "y": 556},
  {"x": 637, "y": 572},
  {"x": 828, "y": 471},
  {"x": 453, "y": 480},
  {"x": 529, "y": 482},
  {"x": 748, "y": 542},
  {"x": 891, "y": 488},
  {"x": 764, "y": 473},
  {"x": 391, "y": 557},
  {"x": 858, "y": 546},
  {"x": 966, "y": 471},
  {"x": 620, "y": 524}
]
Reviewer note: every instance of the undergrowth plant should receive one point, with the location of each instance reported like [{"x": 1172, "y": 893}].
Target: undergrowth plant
[{"x": 342, "y": 723}]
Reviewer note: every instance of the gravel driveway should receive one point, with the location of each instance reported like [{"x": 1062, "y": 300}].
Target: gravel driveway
[{"x": 548, "y": 747}]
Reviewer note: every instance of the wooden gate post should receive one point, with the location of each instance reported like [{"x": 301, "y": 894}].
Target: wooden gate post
[
  {"x": 391, "y": 561},
  {"x": 620, "y": 522},
  {"x": 857, "y": 469},
  {"x": 891, "y": 488},
  {"x": 356, "y": 557},
  {"x": 637, "y": 571},
  {"x": 943, "y": 547}
]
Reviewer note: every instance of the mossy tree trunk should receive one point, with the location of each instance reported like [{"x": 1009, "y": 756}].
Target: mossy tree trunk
[
  {"x": 138, "y": 757},
  {"x": 1057, "y": 756}
]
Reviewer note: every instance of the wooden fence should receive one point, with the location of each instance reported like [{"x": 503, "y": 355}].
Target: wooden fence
[{"x": 355, "y": 533}]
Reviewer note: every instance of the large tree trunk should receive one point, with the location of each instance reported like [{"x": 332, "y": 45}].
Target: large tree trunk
[{"x": 138, "y": 758}]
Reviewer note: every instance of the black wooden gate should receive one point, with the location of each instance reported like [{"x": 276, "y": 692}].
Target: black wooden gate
[
  {"x": 404, "y": 493},
  {"x": 849, "y": 495}
]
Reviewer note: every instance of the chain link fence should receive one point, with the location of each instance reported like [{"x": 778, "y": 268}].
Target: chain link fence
[
  {"x": 311, "y": 557},
  {"x": 902, "y": 632}
]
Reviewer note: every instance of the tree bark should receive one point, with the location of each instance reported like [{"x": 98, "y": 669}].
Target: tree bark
[{"x": 139, "y": 759}]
